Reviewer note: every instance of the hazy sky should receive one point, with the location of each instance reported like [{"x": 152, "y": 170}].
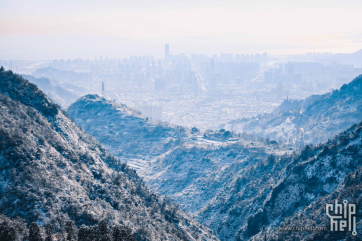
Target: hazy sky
[{"x": 46, "y": 29}]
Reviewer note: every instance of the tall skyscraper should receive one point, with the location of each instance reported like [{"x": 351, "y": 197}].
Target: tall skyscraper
[
  {"x": 212, "y": 66},
  {"x": 167, "y": 51},
  {"x": 265, "y": 57}
]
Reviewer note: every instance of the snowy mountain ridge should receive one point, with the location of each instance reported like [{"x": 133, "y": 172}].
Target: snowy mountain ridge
[
  {"x": 313, "y": 175},
  {"x": 235, "y": 185},
  {"x": 127, "y": 133},
  {"x": 313, "y": 120},
  {"x": 190, "y": 166},
  {"x": 53, "y": 172}
]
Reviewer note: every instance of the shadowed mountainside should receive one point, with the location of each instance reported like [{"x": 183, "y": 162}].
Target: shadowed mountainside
[{"x": 52, "y": 172}]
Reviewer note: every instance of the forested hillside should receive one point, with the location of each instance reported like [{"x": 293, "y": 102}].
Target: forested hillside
[{"x": 52, "y": 172}]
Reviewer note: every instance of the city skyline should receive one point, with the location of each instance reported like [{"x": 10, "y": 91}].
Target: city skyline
[{"x": 120, "y": 28}]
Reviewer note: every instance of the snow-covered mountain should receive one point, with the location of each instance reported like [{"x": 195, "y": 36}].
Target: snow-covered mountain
[
  {"x": 313, "y": 120},
  {"x": 193, "y": 174},
  {"x": 51, "y": 172},
  {"x": 315, "y": 216},
  {"x": 127, "y": 133},
  {"x": 188, "y": 165},
  {"x": 239, "y": 187},
  {"x": 282, "y": 189}
]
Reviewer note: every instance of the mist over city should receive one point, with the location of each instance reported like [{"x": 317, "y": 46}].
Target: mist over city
[
  {"x": 198, "y": 90},
  {"x": 168, "y": 120}
]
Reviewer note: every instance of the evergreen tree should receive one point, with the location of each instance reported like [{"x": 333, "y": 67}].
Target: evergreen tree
[
  {"x": 49, "y": 232},
  {"x": 122, "y": 234},
  {"x": 6, "y": 233},
  {"x": 94, "y": 233},
  {"x": 34, "y": 233},
  {"x": 116, "y": 234},
  {"x": 103, "y": 229},
  {"x": 84, "y": 233},
  {"x": 106, "y": 238},
  {"x": 69, "y": 230}
]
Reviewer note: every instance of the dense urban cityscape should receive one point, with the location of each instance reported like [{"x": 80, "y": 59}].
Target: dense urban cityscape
[{"x": 197, "y": 91}]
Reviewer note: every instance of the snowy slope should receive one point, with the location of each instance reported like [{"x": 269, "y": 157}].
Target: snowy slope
[
  {"x": 128, "y": 134},
  {"x": 190, "y": 166},
  {"x": 237, "y": 188},
  {"x": 52, "y": 171},
  {"x": 315, "y": 119},
  {"x": 316, "y": 173},
  {"x": 234, "y": 185},
  {"x": 314, "y": 215},
  {"x": 193, "y": 174}
]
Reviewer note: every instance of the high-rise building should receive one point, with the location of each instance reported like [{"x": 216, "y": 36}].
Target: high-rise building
[
  {"x": 212, "y": 66},
  {"x": 152, "y": 112},
  {"x": 265, "y": 57},
  {"x": 280, "y": 90},
  {"x": 160, "y": 84},
  {"x": 268, "y": 76},
  {"x": 167, "y": 51},
  {"x": 258, "y": 58}
]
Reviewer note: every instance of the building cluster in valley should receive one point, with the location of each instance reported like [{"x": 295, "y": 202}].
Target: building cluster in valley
[{"x": 197, "y": 90}]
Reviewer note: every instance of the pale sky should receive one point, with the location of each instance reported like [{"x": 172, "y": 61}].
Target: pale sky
[{"x": 47, "y": 29}]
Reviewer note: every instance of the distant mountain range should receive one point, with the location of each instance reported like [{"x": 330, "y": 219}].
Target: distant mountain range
[
  {"x": 313, "y": 120},
  {"x": 65, "y": 76},
  {"x": 353, "y": 58},
  {"x": 56, "y": 93},
  {"x": 241, "y": 186},
  {"x": 52, "y": 172}
]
